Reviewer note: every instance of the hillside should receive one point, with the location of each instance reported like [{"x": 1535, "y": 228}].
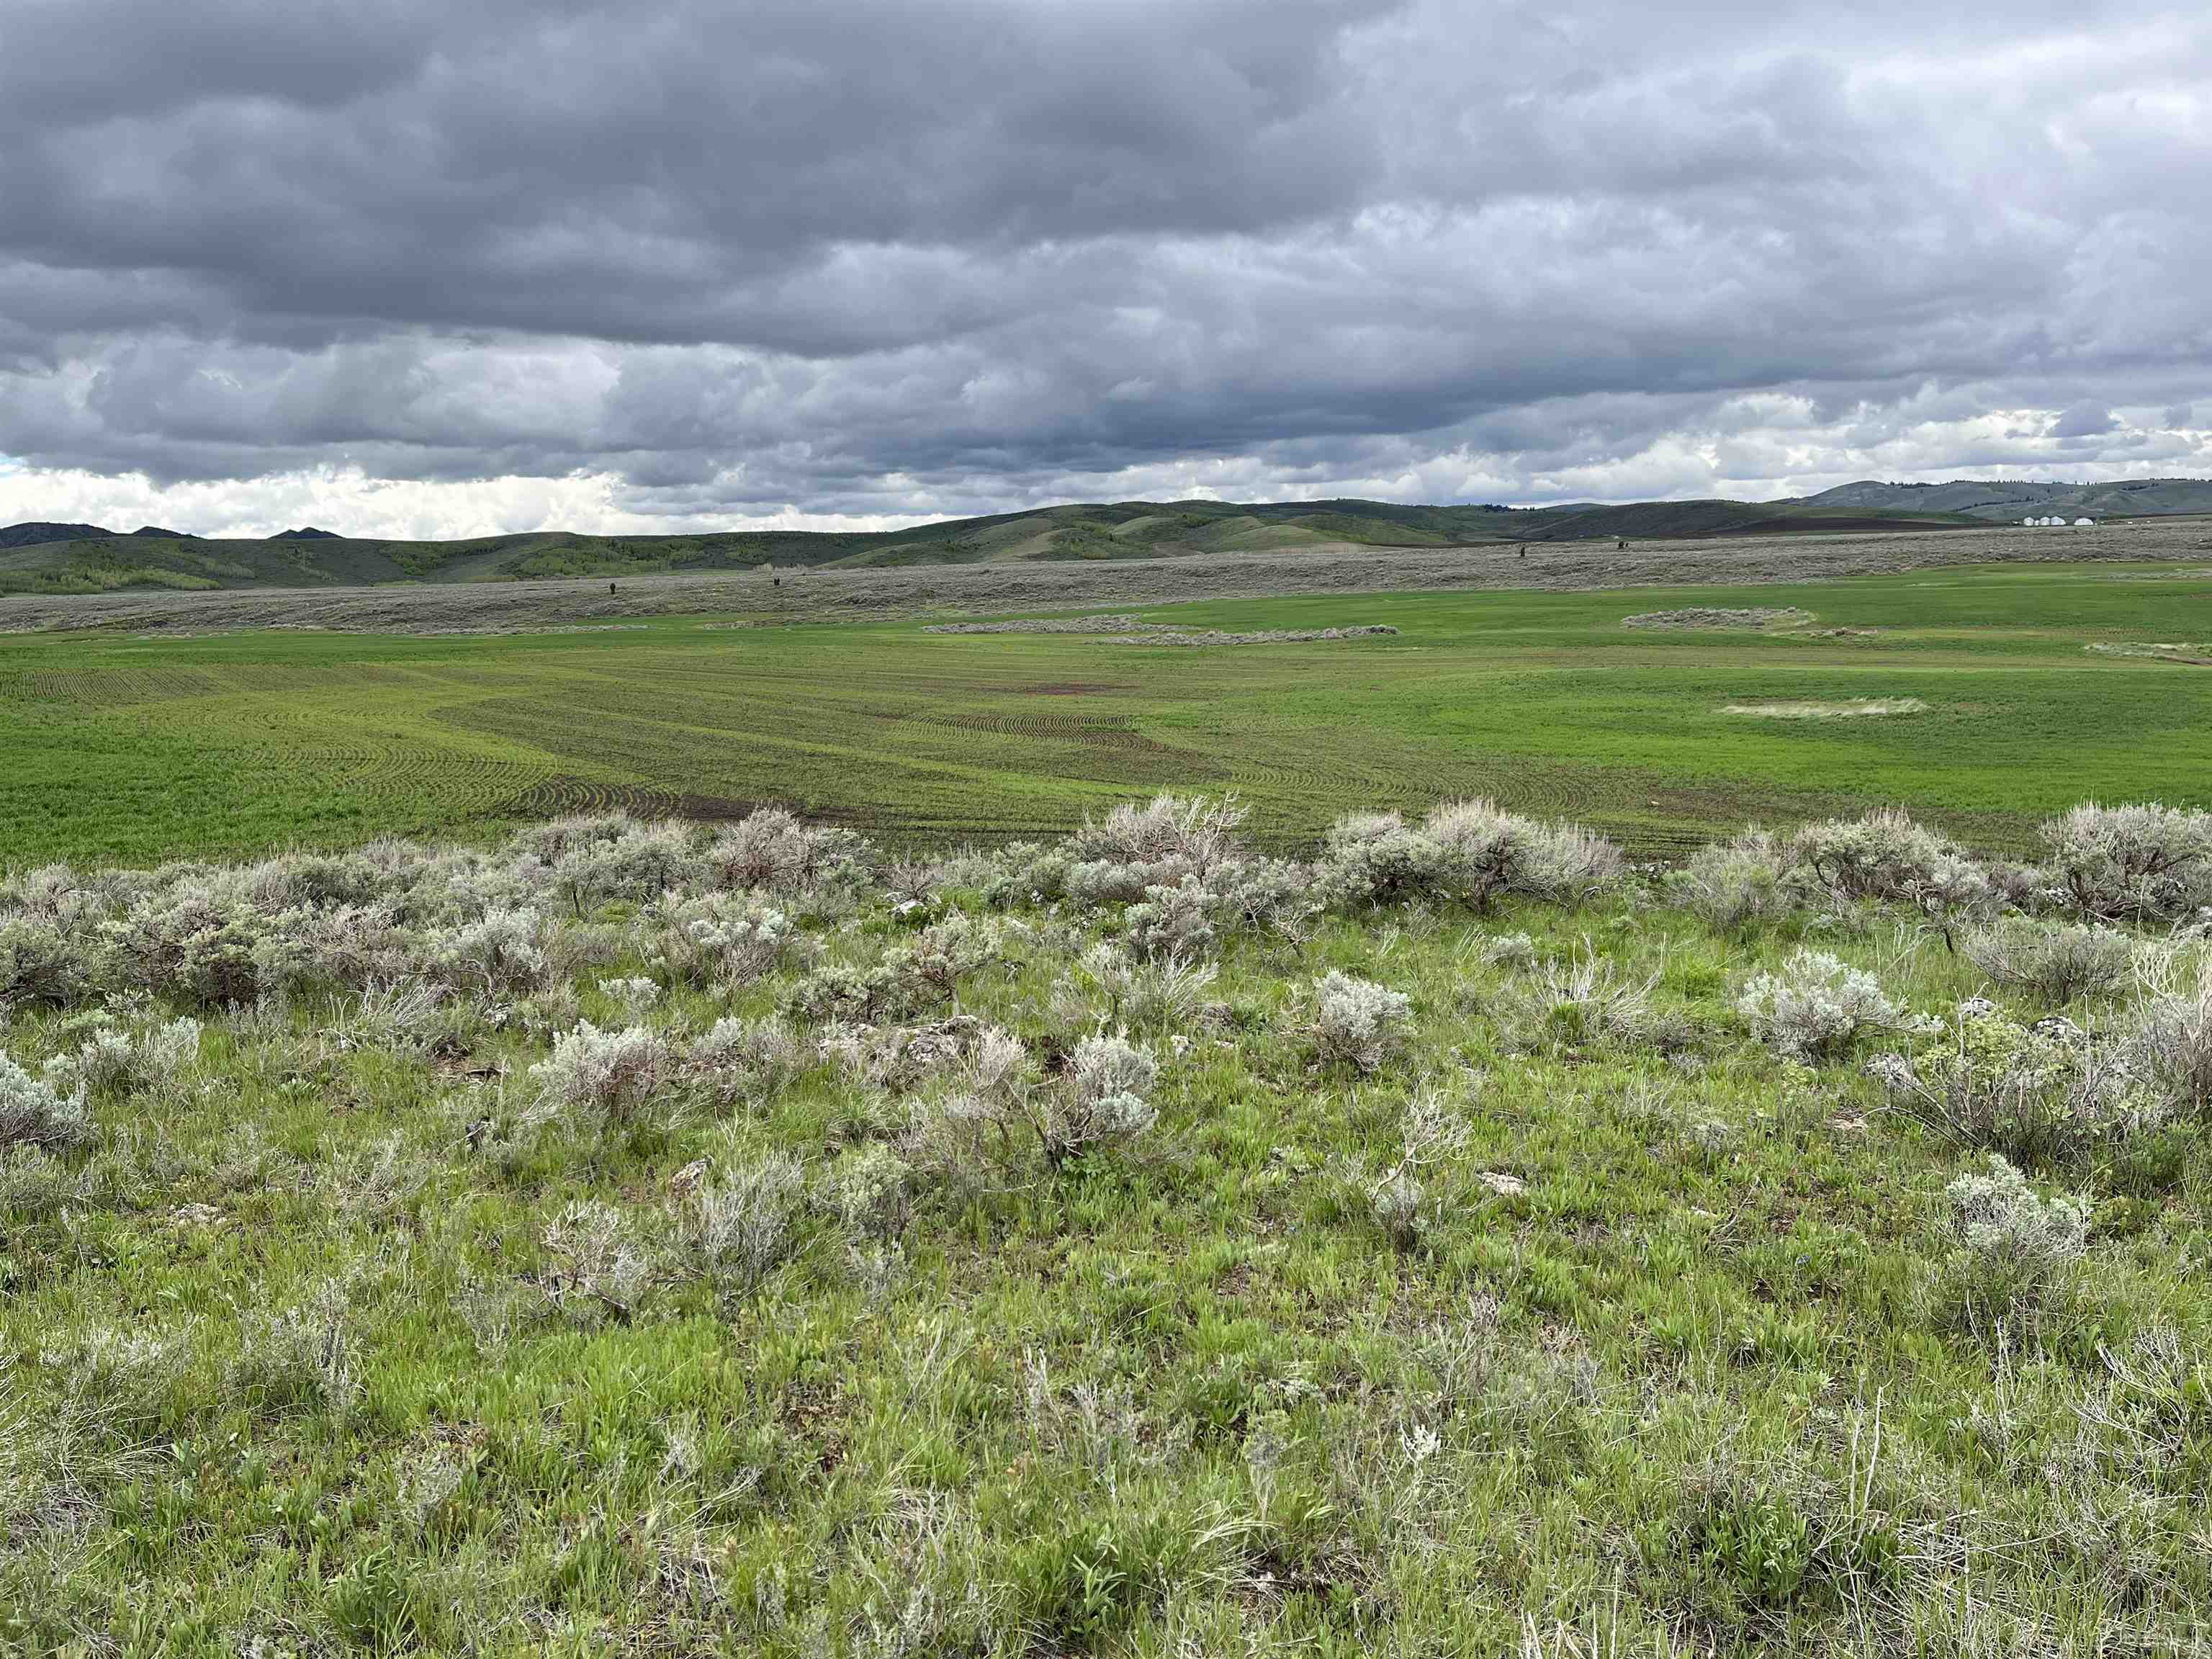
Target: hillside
[
  {"x": 2002, "y": 500},
  {"x": 53, "y": 558}
]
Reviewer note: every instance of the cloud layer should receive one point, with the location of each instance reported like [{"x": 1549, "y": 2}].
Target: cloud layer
[{"x": 417, "y": 269}]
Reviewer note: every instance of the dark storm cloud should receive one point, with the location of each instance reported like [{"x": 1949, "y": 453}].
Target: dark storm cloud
[{"x": 898, "y": 256}]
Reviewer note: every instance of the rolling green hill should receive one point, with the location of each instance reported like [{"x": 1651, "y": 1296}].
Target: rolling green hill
[{"x": 83, "y": 559}]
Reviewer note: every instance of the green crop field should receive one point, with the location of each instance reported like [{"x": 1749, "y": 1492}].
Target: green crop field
[{"x": 129, "y": 747}]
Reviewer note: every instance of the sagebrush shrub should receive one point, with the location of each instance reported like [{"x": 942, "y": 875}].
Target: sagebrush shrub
[
  {"x": 771, "y": 850},
  {"x": 2038, "y": 1094},
  {"x": 1101, "y": 1100},
  {"x": 1885, "y": 856},
  {"x": 501, "y": 953},
  {"x": 43, "y": 963},
  {"x": 2171, "y": 1042},
  {"x": 838, "y": 993},
  {"x": 1499, "y": 851},
  {"x": 596, "y": 1268},
  {"x": 751, "y": 1060},
  {"x": 201, "y": 943},
  {"x": 1817, "y": 1008},
  {"x": 33, "y": 1112},
  {"x": 1374, "y": 858},
  {"x": 1512, "y": 950},
  {"x": 34, "y": 1185},
  {"x": 1171, "y": 921},
  {"x": 1357, "y": 1022},
  {"x": 1158, "y": 995},
  {"x": 352, "y": 946},
  {"x": 2146, "y": 862},
  {"x": 609, "y": 1078},
  {"x": 112, "y": 1061},
  {"x": 1430, "y": 1130},
  {"x": 722, "y": 937},
  {"x": 400, "y": 1016},
  {"x": 869, "y": 1191},
  {"x": 1469, "y": 853},
  {"x": 967, "y": 1126},
  {"x": 932, "y": 966},
  {"x": 301, "y": 1357},
  {"x": 1108, "y": 1101},
  {"x": 2015, "y": 1250},
  {"x": 1195, "y": 834},
  {"x": 312, "y": 880},
  {"x": 2058, "y": 963},
  {"x": 1734, "y": 885},
  {"x": 738, "y": 1224}
]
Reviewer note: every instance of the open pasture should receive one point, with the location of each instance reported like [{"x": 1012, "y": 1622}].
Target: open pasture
[{"x": 137, "y": 747}]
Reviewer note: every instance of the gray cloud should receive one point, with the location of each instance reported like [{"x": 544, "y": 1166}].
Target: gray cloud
[{"x": 890, "y": 258}]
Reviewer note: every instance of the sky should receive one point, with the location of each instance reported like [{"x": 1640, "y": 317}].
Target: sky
[{"x": 407, "y": 268}]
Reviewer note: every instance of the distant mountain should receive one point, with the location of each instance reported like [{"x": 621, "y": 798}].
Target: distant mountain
[
  {"x": 83, "y": 558},
  {"x": 2000, "y": 499},
  {"x": 157, "y": 533},
  {"x": 31, "y": 535}
]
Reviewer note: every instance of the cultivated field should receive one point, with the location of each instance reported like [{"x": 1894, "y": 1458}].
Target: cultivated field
[
  {"x": 629, "y": 1239},
  {"x": 1971, "y": 693}
]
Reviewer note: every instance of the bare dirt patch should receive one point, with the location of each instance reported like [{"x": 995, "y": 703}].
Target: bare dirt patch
[
  {"x": 1852, "y": 710},
  {"x": 1702, "y": 617},
  {"x": 2196, "y": 654}
]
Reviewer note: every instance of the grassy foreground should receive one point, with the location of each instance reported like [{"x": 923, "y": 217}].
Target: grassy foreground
[
  {"x": 146, "y": 747},
  {"x": 629, "y": 1239}
]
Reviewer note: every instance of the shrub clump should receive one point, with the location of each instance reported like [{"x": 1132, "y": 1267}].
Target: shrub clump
[
  {"x": 33, "y": 1112},
  {"x": 1736, "y": 885},
  {"x": 1886, "y": 857},
  {"x": 2038, "y": 1094},
  {"x": 1469, "y": 853},
  {"x": 2140, "y": 863},
  {"x": 751, "y": 1060},
  {"x": 502, "y": 953},
  {"x": 2171, "y": 1043},
  {"x": 1817, "y": 1008},
  {"x": 1107, "y": 1100},
  {"x": 1586, "y": 999},
  {"x": 2015, "y": 1251},
  {"x": 1357, "y": 1022},
  {"x": 738, "y": 1226},
  {"x": 609, "y": 1077},
  {"x": 201, "y": 943},
  {"x": 774, "y": 851},
  {"x": 2058, "y": 963},
  {"x": 112, "y": 1061},
  {"x": 720, "y": 939},
  {"x": 45, "y": 964}
]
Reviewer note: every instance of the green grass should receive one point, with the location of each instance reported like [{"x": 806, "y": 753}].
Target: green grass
[
  {"x": 140, "y": 748},
  {"x": 291, "y": 1358}
]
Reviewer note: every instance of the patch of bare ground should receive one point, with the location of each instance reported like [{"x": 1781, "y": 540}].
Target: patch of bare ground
[
  {"x": 2196, "y": 654},
  {"x": 1853, "y": 709},
  {"x": 1703, "y": 616},
  {"x": 951, "y": 591}
]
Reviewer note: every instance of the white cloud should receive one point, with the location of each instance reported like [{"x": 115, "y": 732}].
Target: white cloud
[{"x": 674, "y": 265}]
